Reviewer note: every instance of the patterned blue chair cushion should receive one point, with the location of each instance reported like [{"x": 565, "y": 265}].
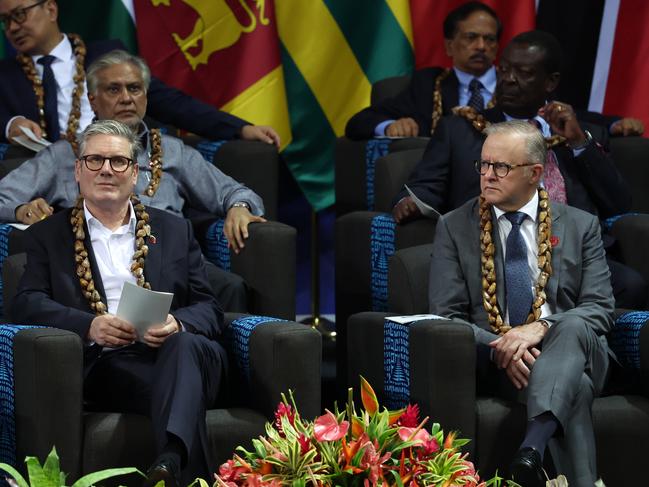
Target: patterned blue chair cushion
[
  {"x": 4, "y": 252},
  {"x": 208, "y": 148},
  {"x": 381, "y": 249},
  {"x": 216, "y": 246},
  {"x": 374, "y": 149}
]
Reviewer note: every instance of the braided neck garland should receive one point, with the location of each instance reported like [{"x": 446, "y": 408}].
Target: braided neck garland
[
  {"x": 84, "y": 272},
  {"x": 79, "y": 78},
  {"x": 487, "y": 249},
  {"x": 155, "y": 162},
  {"x": 437, "y": 99},
  {"x": 480, "y": 123}
]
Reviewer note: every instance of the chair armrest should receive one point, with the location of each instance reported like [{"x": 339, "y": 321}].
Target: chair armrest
[
  {"x": 48, "y": 385},
  {"x": 281, "y": 355},
  {"x": 408, "y": 280},
  {"x": 441, "y": 363},
  {"x": 268, "y": 265},
  {"x": 629, "y": 339},
  {"x": 351, "y": 175},
  {"x": 392, "y": 172},
  {"x": 632, "y": 233}
]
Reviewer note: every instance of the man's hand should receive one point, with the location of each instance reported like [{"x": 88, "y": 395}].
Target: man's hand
[
  {"x": 518, "y": 371},
  {"x": 157, "y": 334},
  {"x": 626, "y": 127},
  {"x": 110, "y": 331},
  {"x": 563, "y": 121},
  {"x": 513, "y": 344},
  {"x": 403, "y": 127},
  {"x": 14, "y": 128},
  {"x": 34, "y": 211},
  {"x": 260, "y": 132},
  {"x": 405, "y": 210},
  {"x": 235, "y": 227}
]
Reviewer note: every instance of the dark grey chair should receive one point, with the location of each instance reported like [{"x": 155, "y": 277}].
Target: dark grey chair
[{"x": 442, "y": 378}]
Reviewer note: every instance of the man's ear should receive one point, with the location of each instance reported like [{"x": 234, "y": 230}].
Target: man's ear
[
  {"x": 91, "y": 99},
  {"x": 536, "y": 173},
  {"x": 52, "y": 10},
  {"x": 447, "y": 47}
]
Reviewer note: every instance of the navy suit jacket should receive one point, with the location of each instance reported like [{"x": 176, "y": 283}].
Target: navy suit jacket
[
  {"x": 50, "y": 293},
  {"x": 415, "y": 102},
  {"x": 446, "y": 178},
  {"x": 165, "y": 104}
]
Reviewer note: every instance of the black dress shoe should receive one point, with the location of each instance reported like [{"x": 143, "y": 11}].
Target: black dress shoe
[
  {"x": 526, "y": 468},
  {"x": 160, "y": 472}
]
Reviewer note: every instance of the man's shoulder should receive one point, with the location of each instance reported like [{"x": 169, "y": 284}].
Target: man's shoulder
[
  {"x": 462, "y": 215},
  {"x": 571, "y": 215},
  {"x": 164, "y": 217},
  {"x": 52, "y": 226},
  {"x": 9, "y": 67},
  {"x": 428, "y": 73}
]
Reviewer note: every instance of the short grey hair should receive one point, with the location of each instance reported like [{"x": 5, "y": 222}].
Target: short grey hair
[
  {"x": 535, "y": 150},
  {"x": 113, "y": 58},
  {"x": 110, "y": 127}
]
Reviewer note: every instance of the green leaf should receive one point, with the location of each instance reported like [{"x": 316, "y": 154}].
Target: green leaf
[
  {"x": 14, "y": 474},
  {"x": 92, "y": 478},
  {"x": 51, "y": 468},
  {"x": 37, "y": 475},
  {"x": 199, "y": 483}
]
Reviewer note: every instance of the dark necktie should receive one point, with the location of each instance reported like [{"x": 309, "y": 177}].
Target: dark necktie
[
  {"x": 51, "y": 105},
  {"x": 517, "y": 273},
  {"x": 476, "y": 100}
]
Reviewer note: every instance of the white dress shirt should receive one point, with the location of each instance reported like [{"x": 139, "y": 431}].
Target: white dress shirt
[
  {"x": 114, "y": 253},
  {"x": 529, "y": 232},
  {"x": 488, "y": 81},
  {"x": 64, "y": 68}
]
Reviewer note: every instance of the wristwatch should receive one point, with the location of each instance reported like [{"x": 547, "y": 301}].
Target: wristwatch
[{"x": 241, "y": 204}]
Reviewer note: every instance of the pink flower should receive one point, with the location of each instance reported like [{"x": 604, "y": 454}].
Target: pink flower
[
  {"x": 431, "y": 446},
  {"x": 372, "y": 461},
  {"x": 410, "y": 418},
  {"x": 326, "y": 428},
  {"x": 231, "y": 472},
  {"x": 420, "y": 438},
  {"x": 283, "y": 410}
]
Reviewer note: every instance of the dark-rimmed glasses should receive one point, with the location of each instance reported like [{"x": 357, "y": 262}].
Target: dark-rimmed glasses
[
  {"x": 18, "y": 15},
  {"x": 94, "y": 162},
  {"x": 501, "y": 169}
]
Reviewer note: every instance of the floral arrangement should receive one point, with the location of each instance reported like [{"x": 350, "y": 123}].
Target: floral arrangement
[{"x": 372, "y": 447}]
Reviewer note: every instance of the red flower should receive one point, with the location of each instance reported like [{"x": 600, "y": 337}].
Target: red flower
[
  {"x": 554, "y": 241},
  {"x": 305, "y": 443},
  {"x": 231, "y": 472},
  {"x": 429, "y": 447},
  {"x": 283, "y": 410},
  {"x": 410, "y": 418},
  {"x": 326, "y": 428}
]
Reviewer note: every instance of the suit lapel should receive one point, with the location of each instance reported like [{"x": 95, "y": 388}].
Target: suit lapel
[
  {"x": 153, "y": 262},
  {"x": 557, "y": 234},
  {"x": 449, "y": 88}
]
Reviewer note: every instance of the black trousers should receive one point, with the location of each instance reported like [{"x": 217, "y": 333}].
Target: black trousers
[{"x": 174, "y": 385}]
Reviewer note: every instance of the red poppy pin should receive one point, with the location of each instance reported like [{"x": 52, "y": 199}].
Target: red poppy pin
[
  {"x": 153, "y": 240},
  {"x": 554, "y": 241}
]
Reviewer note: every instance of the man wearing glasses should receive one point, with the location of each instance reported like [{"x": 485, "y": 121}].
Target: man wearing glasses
[
  {"x": 77, "y": 262},
  {"x": 530, "y": 277},
  {"x": 44, "y": 87},
  {"x": 578, "y": 172}
]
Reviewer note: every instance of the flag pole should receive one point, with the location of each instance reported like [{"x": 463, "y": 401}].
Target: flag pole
[{"x": 323, "y": 325}]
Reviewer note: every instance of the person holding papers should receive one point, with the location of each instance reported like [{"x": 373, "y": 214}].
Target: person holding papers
[{"x": 77, "y": 263}]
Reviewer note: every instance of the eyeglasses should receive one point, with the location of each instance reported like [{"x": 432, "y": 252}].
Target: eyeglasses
[
  {"x": 501, "y": 169},
  {"x": 95, "y": 162},
  {"x": 19, "y": 15}
]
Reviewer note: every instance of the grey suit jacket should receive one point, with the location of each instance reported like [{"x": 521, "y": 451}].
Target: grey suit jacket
[{"x": 579, "y": 285}]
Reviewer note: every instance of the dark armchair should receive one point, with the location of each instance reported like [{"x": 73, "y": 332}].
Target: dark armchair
[{"x": 435, "y": 367}]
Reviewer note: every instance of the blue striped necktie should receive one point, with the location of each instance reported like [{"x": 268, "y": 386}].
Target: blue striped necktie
[{"x": 518, "y": 283}]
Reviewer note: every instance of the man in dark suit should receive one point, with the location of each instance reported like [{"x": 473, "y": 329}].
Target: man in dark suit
[
  {"x": 471, "y": 34},
  {"x": 31, "y": 27},
  {"x": 531, "y": 278},
  {"x": 77, "y": 262},
  {"x": 584, "y": 175}
]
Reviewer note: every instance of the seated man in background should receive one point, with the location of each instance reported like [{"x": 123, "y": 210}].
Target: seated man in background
[
  {"x": 173, "y": 176},
  {"x": 530, "y": 276},
  {"x": 61, "y": 105},
  {"x": 471, "y": 33},
  {"x": 579, "y": 172},
  {"x": 172, "y": 372}
]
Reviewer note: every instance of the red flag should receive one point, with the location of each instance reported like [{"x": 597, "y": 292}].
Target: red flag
[
  {"x": 621, "y": 68},
  {"x": 224, "y": 52},
  {"x": 428, "y": 16}
]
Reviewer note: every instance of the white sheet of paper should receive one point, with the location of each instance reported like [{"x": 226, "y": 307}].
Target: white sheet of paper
[
  {"x": 413, "y": 318},
  {"x": 29, "y": 144},
  {"x": 426, "y": 210},
  {"x": 142, "y": 307},
  {"x": 32, "y": 136},
  {"x": 19, "y": 226}
]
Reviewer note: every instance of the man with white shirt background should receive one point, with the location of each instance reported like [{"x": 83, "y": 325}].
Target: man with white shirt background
[{"x": 44, "y": 87}]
